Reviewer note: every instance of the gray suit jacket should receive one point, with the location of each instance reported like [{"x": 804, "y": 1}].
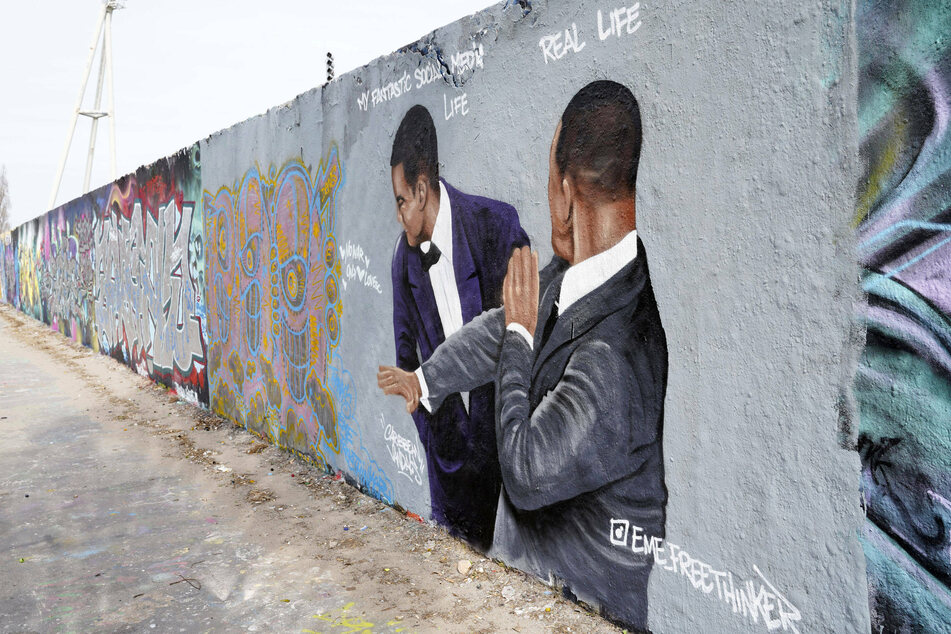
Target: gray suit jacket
[{"x": 579, "y": 429}]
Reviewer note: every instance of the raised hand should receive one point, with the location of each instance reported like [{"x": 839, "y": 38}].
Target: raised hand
[{"x": 520, "y": 289}]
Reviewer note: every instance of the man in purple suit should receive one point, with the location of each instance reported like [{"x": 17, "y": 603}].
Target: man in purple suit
[{"x": 448, "y": 267}]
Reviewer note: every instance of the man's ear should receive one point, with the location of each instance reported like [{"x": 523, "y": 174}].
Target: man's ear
[
  {"x": 422, "y": 190},
  {"x": 568, "y": 191}
]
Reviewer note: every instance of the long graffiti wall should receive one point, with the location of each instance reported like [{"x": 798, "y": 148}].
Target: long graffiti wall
[
  {"x": 904, "y": 381},
  {"x": 121, "y": 270},
  {"x": 577, "y": 282}
]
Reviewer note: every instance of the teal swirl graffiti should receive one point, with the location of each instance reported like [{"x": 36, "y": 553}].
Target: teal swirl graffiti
[{"x": 903, "y": 383}]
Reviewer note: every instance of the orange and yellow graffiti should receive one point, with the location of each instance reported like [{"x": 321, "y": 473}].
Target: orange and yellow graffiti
[{"x": 273, "y": 305}]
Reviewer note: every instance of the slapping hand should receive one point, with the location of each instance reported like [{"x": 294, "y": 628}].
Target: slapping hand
[{"x": 397, "y": 382}]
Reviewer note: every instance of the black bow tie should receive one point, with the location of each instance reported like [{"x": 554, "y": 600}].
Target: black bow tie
[{"x": 430, "y": 257}]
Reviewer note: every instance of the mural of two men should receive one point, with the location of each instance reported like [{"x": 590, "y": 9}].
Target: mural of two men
[{"x": 578, "y": 359}]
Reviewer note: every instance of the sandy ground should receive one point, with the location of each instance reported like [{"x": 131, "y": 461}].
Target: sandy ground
[{"x": 149, "y": 514}]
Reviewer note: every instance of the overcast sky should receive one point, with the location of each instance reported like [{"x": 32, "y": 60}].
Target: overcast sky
[{"x": 183, "y": 69}]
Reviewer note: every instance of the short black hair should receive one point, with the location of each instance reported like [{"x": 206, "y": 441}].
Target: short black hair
[
  {"x": 415, "y": 147},
  {"x": 600, "y": 140}
]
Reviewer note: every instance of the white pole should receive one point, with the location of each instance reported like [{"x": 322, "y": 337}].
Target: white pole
[
  {"x": 95, "y": 119},
  {"x": 112, "y": 97},
  {"x": 79, "y": 103}
]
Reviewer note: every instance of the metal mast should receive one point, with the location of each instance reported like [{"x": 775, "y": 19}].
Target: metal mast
[{"x": 103, "y": 33}]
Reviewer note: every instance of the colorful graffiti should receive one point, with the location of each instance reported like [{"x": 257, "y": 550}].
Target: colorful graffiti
[
  {"x": 274, "y": 305},
  {"x": 66, "y": 270},
  {"x": 28, "y": 270},
  {"x": 903, "y": 384},
  {"x": 150, "y": 274},
  {"x": 121, "y": 270},
  {"x": 8, "y": 267}
]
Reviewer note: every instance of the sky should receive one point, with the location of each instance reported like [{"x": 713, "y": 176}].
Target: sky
[{"x": 183, "y": 69}]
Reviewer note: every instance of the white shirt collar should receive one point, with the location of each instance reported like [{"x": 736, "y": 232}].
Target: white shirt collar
[
  {"x": 586, "y": 276},
  {"x": 442, "y": 230}
]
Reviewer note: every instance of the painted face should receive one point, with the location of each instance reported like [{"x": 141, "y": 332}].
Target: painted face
[
  {"x": 558, "y": 206},
  {"x": 409, "y": 207}
]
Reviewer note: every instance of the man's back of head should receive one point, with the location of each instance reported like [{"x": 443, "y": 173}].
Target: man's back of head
[{"x": 600, "y": 141}]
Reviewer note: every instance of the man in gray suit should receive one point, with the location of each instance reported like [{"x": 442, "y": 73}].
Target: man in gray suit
[{"x": 580, "y": 400}]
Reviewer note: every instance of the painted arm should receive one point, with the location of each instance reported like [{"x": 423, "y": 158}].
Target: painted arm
[
  {"x": 579, "y": 437},
  {"x": 470, "y": 357},
  {"x": 405, "y": 337},
  {"x": 467, "y": 359}
]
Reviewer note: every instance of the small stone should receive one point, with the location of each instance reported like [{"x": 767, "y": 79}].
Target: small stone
[{"x": 464, "y": 566}]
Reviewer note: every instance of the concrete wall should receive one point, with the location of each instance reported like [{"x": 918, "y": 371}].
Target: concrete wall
[{"x": 724, "y": 440}]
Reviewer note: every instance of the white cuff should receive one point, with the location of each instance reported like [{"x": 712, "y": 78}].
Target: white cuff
[
  {"x": 522, "y": 330},
  {"x": 424, "y": 390}
]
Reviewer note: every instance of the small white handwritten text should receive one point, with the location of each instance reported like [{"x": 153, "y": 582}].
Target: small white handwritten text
[
  {"x": 356, "y": 265},
  {"x": 406, "y": 454},
  {"x": 755, "y": 600}
]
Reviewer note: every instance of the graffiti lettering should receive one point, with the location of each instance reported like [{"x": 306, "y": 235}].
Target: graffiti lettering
[
  {"x": 357, "y": 267},
  {"x": 455, "y": 105},
  {"x": 755, "y": 599},
  {"x": 121, "y": 270},
  {"x": 426, "y": 75},
  {"x": 468, "y": 60},
  {"x": 387, "y": 92},
  {"x": 620, "y": 20},
  {"x": 559, "y": 44},
  {"x": 146, "y": 298},
  {"x": 66, "y": 271},
  {"x": 406, "y": 454},
  {"x": 274, "y": 318}
]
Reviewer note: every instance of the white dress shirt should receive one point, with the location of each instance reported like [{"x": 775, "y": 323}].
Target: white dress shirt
[
  {"x": 442, "y": 276},
  {"x": 586, "y": 276}
]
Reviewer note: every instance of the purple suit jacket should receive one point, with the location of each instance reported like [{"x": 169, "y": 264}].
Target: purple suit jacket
[{"x": 461, "y": 452}]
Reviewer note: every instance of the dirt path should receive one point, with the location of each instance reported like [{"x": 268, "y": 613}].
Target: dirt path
[{"x": 134, "y": 511}]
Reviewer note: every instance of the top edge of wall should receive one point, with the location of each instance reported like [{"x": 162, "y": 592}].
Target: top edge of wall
[
  {"x": 514, "y": 10},
  {"x": 182, "y": 151}
]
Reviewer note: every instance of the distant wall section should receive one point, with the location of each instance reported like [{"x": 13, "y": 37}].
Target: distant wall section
[{"x": 121, "y": 270}]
